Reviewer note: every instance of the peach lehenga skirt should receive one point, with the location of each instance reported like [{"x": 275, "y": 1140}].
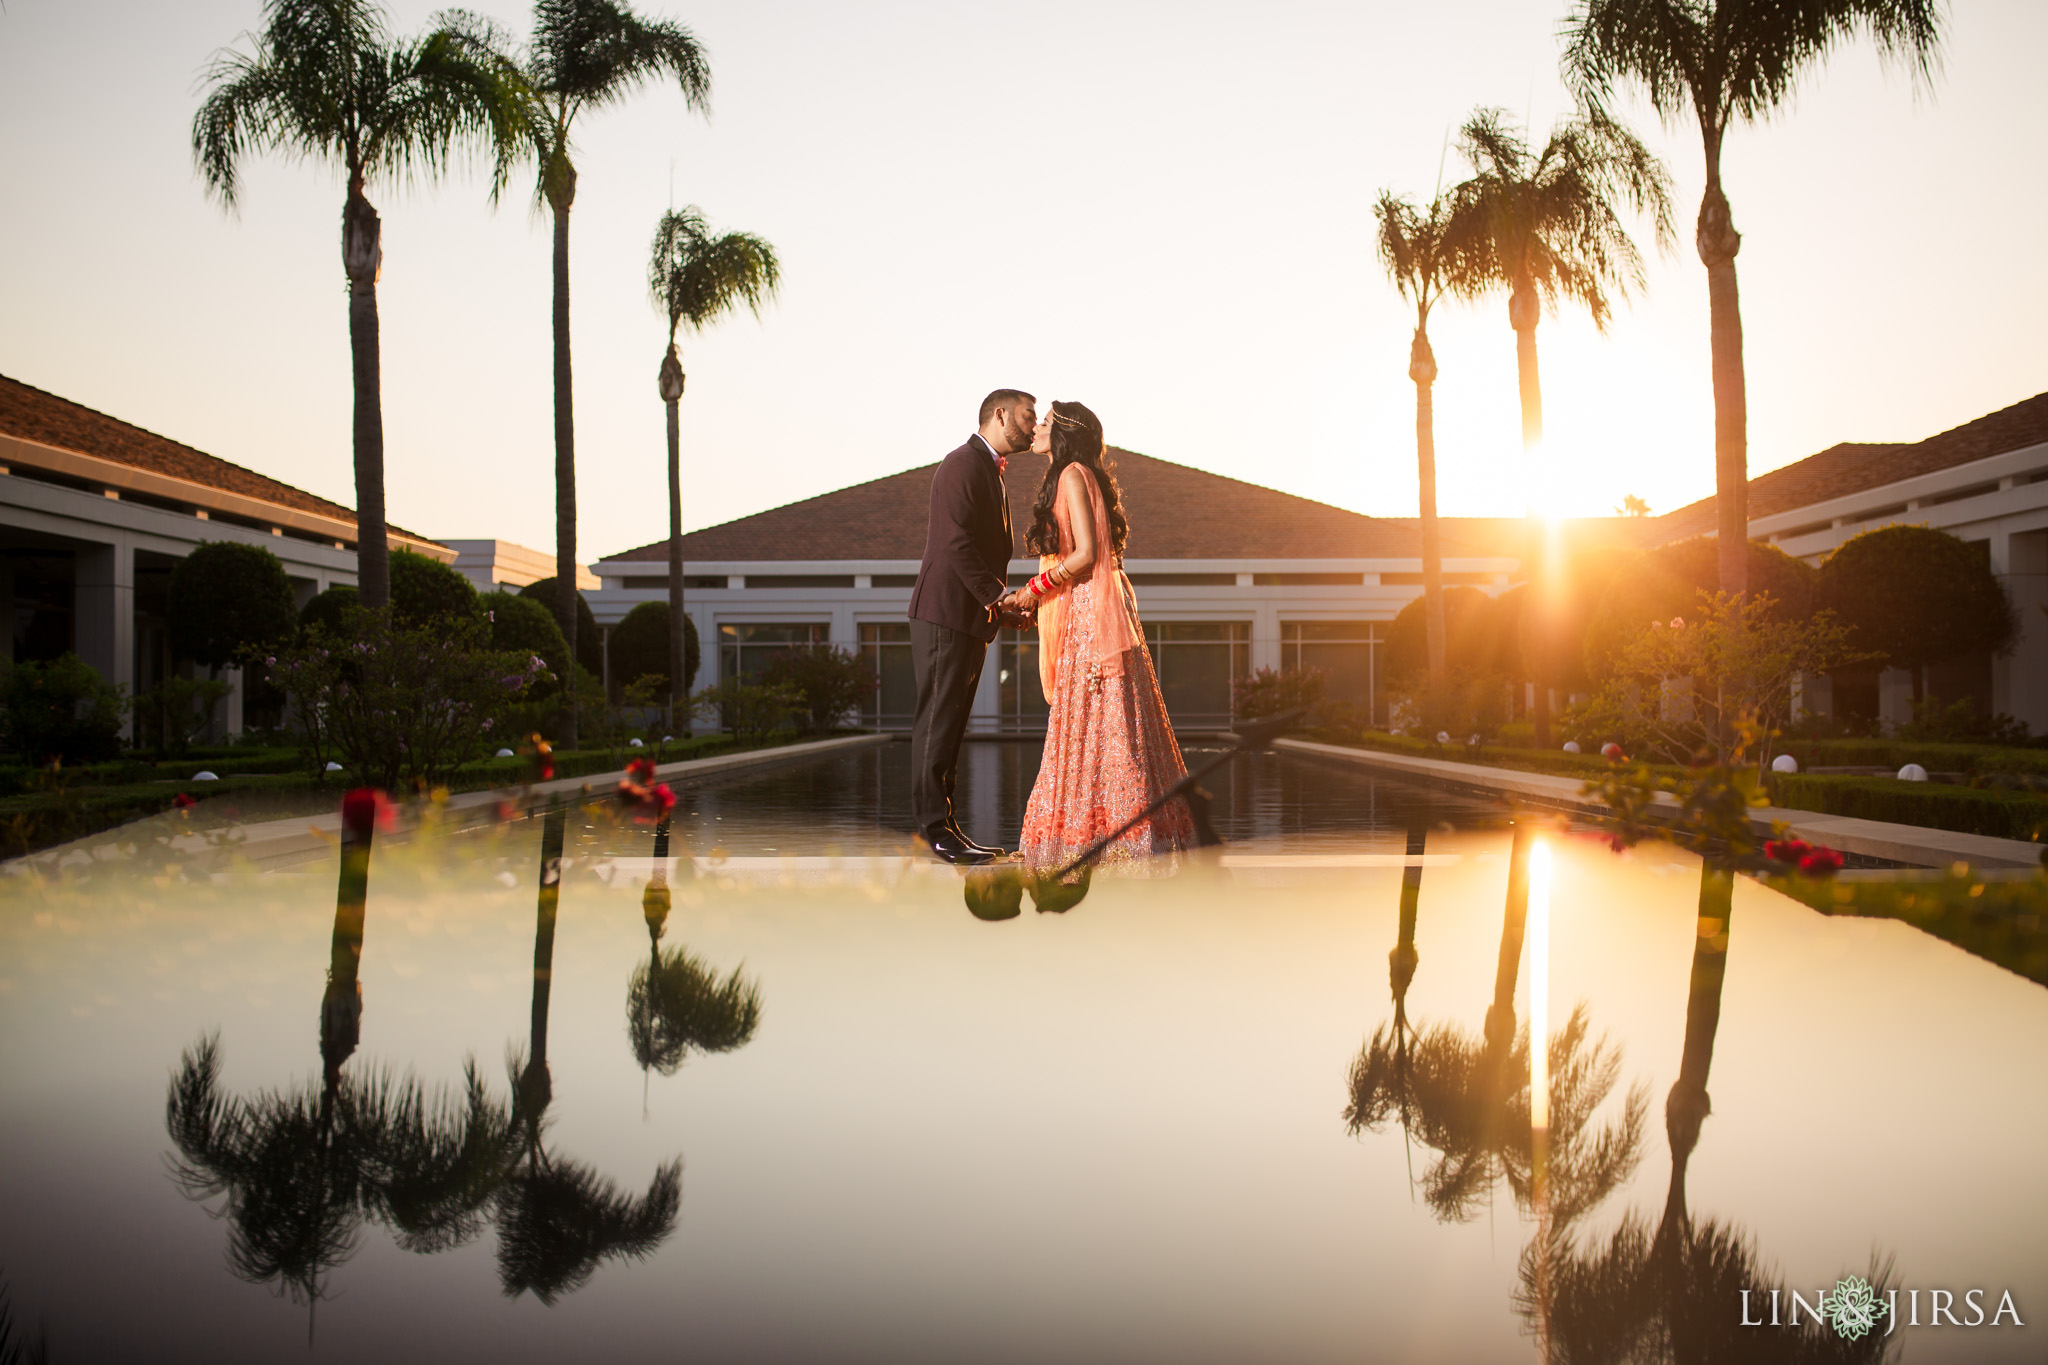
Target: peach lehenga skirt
[{"x": 1109, "y": 752}]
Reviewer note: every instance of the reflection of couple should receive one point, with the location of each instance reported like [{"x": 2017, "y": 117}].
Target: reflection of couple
[{"x": 1109, "y": 750}]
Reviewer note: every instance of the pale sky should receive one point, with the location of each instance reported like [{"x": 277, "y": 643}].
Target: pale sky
[{"x": 1159, "y": 209}]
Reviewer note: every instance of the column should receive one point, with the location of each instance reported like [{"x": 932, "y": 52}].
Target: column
[
  {"x": 103, "y": 605},
  {"x": 2019, "y": 681}
]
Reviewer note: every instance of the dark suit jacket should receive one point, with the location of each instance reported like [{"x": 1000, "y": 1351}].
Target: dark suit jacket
[{"x": 967, "y": 544}]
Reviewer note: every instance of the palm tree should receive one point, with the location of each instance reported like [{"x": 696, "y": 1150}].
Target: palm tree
[
  {"x": 674, "y": 1003},
  {"x": 556, "y": 1217},
  {"x": 326, "y": 80},
  {"x": 1659, "y": 1290},
  {"x": 696, "y": 278},
  {"x": 1724, "y": 62},
  {"x": 1426, "y": 261},
  {"x": 1546, "y": 225},
  {"x": 301, "y": 1169},
  {"x": 587, "y": 54},
  {"x": 1468, "y": 1098}
]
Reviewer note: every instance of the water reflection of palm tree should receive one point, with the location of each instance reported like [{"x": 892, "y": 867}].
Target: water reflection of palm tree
[
  {"x": 1467, "y": 1098},
  {"x": 303, "y": 1169},
  {"x": 557, "y": 1219},
  {"x": 675, "y": 1003},
  {"x": 1380, "y": 1078},
  {"x": 1671, "y": 1291}
]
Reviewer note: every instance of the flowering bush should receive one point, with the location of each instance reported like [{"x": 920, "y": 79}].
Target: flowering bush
[
  {"x": 1680, "y": 690},
  {"x": 398, "y": 702}
]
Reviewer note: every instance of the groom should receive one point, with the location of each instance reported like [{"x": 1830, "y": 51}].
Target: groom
[{"x": 954, "y": 610}]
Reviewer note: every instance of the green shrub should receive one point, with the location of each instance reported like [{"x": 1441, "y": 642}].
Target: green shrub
[
  {"x": 171, "y": 714},
  {"x": 830, "y": 685},
  {"x": 326, "y": 610},
  {"x": 1658, "y": 584},
  {"x": 1917, "y": 596},
  {"x": 228, "y": 599},
  {"x": 60, "y": 710},
  {"x": 520, "y": 623},
  {"x": 753, "y": 712},
  {"x": 1968, "y": 810},
  {"x": 395, "y": 701},
  {"x": 589, "y": 647},
  {"x": 639, "y": 646},
  {"x": 425, "y": 591},
  {"x": 1272, "y": 691}
]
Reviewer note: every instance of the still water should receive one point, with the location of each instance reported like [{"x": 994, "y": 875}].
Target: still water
[{"x": 1272, "y": 1108}]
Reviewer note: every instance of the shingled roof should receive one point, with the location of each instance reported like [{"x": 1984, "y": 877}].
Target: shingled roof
[
  {"x": 1852, "y": 467},
  {"x": 1176, "y": 512},
  {"x": 31, "y": 414}
]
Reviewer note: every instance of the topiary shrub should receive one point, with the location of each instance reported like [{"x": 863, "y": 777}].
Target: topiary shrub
[
  {"x": 523, "y": 624},
  {"x": 327, "y": 610},
  {"x": 426, "y": 592},
  {"x": 589, "y": 649},
  {"x": 830, "y": 683},
  {"x": 1473, "y": 640},
  {"x": 639, "y": 646},
  {"x": 60, "y": 710},
  {"x": 226, "y": 600},
  {"x": 1916, "y": 596}
]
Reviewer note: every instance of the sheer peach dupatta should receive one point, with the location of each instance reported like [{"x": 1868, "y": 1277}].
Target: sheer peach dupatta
[{"x": 1113, "y": 603}]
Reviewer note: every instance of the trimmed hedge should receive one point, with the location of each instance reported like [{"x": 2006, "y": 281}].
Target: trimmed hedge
[
  {"x": 1935, "y": 805},
  {"x": 1897, "y": 753}
]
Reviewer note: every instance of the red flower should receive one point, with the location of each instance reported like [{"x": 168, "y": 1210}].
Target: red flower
[
  {"x": 1612, "y": 752},
  {"x": 183, "y": 802},
  {"x": 1821, "y": 862},
  {"x": 365, "y": 809},
  {"x": 1787, "y": 850},
  {"x": 640, "y": 770}
]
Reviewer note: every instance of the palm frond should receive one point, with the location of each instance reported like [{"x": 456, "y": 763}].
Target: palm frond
[
  {"x": 698, "y": 278},
  {"x": 1733, "y": 59},
  {"x": 557, "y": 1220},
  {"x": 592, "y": 53},
  {"x": 1550, "y": 219}
]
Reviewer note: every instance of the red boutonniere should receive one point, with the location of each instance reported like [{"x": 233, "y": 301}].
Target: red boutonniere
[{"x": 1002, "y": 464}]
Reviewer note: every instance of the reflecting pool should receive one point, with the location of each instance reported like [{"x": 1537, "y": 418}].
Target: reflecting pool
[{"x": 771, "y": 1092}]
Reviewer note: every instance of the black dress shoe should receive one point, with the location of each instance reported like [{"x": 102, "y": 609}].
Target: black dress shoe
[
  {"x": 949, "y": 847},
  {"x": 990, "y": 849}
]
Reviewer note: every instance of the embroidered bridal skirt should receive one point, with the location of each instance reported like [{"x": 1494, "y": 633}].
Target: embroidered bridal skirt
[{"x": 1109, "y": 752}]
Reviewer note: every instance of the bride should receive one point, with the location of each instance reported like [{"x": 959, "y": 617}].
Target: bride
[{"x": 1109, "y": 751}]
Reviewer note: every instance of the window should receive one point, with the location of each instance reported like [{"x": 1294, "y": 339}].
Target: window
[
  {"x": 1020, "y": 695},
  {"x": 1414, "y": 580},
  {"x": 799, "y": 580},
  {"x": 1197, "y": 661},
  {"x": 743, "y": 651},
  {"x": 886, "y": 647},
  {"x": 1346, "y": 651},
  {"x": 1308, "y": 580}
]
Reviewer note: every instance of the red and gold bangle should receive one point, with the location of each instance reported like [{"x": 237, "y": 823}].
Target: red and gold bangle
[{"x": 1041, "y": 586}]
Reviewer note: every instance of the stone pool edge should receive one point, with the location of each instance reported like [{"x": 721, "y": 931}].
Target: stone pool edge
[
  {"x": 281, "y": 843},
  {"x": 1912, "y": 844}
]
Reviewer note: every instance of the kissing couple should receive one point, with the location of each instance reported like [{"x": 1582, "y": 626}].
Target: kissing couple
[{"x": 1109, "y": 750}]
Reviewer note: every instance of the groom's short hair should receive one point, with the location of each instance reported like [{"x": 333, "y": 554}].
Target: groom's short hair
[{"x": 997, "y": 401}]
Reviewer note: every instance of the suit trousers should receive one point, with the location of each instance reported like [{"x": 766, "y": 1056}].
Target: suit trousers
[{"x": 947, "y": 664}]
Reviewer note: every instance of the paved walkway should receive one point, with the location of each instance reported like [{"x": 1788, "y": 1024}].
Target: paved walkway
[{"x": 1914, "y": 845}]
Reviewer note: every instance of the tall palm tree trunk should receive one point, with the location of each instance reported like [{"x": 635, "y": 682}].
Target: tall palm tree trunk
[
  {"x": 1718, "y": 241},
  {"x": 565, "y": 459},
  {"x": 678, "y": 684},
  {"x": 1422, "y": 369},
  {"x": 1500, "y": 1016},
  {"x": 1523, "y": 311},
  {"x": 362, "y": 255},
  {"x": 1402, "y": 961},
  {"x": 671, "y": 384},
  {"x": 1687, "y": 1106}
]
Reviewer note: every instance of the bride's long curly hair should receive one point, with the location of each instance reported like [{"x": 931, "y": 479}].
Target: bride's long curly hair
[{"x": 1076, "y": 439}]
